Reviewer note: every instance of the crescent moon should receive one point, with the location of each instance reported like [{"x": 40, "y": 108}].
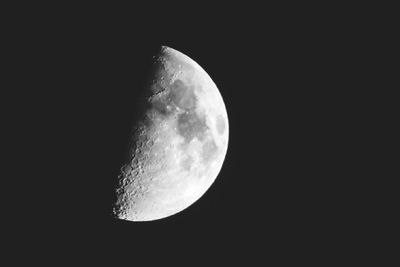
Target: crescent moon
[{"x": 179, "y": 145}]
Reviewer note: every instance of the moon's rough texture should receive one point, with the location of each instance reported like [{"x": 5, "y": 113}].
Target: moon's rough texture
[{"x": 179, "y": 145}]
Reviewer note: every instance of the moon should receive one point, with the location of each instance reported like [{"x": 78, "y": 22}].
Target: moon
[{"x": 179, "y": 144}]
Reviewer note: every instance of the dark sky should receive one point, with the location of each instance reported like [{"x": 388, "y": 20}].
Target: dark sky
[{"x": 278, "y": 74}]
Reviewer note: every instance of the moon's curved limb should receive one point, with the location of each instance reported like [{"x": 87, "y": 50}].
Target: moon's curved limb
[{"x": 180, "y": 145}]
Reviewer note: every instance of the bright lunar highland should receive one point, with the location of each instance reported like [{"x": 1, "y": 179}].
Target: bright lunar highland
[{"x": 179, "y": 144}]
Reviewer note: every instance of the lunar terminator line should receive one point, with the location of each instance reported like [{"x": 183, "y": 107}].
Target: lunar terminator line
[{"x": 179, "y": 145}]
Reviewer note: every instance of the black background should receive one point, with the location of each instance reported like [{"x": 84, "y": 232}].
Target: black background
[{"x": 282, "y": 74}]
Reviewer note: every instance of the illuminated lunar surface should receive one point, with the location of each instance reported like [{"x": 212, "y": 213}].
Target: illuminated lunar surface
[{"x": 178, "y": 146}]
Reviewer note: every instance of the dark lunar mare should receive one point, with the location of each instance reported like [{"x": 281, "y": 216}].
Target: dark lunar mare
[
  {"x": 208, "y": 150},
  {"x": 220, "y": 124},
  {"x": 177, "y": 98},
  {"x": 190, "y": 124},
  {"x": 180, "y": 95}
]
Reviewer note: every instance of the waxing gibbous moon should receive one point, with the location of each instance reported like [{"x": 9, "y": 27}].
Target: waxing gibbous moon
[{"x": 178, "y": 146}]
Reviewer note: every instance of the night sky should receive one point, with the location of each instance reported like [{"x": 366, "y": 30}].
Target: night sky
[{"x": 279, "y": 75}]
